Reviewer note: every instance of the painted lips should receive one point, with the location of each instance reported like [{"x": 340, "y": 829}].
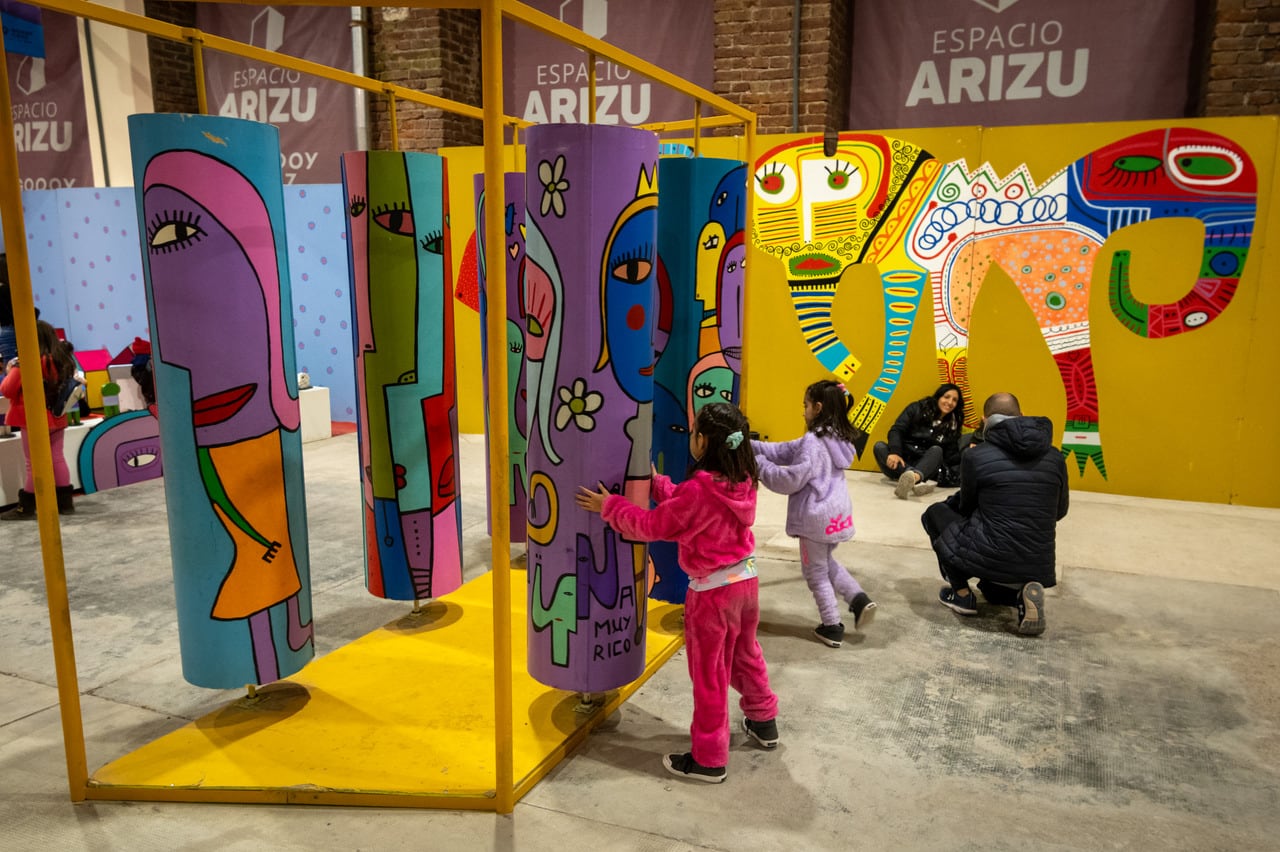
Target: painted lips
[{"x": 217, "y": 407}]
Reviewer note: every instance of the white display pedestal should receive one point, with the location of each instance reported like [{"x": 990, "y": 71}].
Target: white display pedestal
[
  {"x": 130, "y": 394},
  {"x": 313, "y": 405},
  {"x": 12, "y": 466}
]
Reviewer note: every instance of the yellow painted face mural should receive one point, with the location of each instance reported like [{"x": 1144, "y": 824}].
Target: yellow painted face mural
[
  {"x": 883, "y": 201},
  {"x": 821, "y": 214}
]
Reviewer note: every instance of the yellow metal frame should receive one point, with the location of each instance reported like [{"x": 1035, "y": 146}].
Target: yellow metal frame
[{"x": 492, "y": 13}]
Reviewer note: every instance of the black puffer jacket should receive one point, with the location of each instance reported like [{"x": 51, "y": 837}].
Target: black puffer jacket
[
  {"x": 913, "y": 433},
  {"x": 1013, "y": 491}
]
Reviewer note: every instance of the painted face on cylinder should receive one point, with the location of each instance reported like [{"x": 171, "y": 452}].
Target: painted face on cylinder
[
  {"x": 200, "y": 273},
  {"x": 628, "y": 274},
  {"x": 948, "y": 401}
]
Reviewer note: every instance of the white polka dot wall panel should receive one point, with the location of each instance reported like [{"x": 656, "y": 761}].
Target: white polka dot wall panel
[
  {"x": 316, "y": 227},
  {"x": 44, "y": 253},
  {"x": 102, "y": 290}
]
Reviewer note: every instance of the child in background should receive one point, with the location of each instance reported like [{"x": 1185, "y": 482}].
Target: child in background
[
  {"x": 709, "y": 516},
  {"x": 810, "y": 471},
  {"x": 56, "y": 365}
]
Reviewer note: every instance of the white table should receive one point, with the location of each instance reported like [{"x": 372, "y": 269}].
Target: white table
[{"x": 313, "y": 410}]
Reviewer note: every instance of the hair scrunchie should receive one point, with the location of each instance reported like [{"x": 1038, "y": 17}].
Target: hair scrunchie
[{"x": 733, "y": 439}]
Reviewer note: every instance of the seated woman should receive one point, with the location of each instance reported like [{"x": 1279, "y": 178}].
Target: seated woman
[{"x": 924, "y": 443}]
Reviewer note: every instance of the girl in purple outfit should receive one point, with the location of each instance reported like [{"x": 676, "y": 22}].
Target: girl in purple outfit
[{"x": 810, "y": 471}]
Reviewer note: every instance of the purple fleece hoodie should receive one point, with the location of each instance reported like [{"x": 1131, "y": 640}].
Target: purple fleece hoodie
[
  {"x": 810, "y": 470},
  {"x": 708, "y": 517}
]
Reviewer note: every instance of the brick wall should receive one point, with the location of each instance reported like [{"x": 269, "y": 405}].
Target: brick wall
[
  {"x": 1243, "y": 55},
  {"x": 430, "y": 50},
  {"x": 173, "y": 70},
  {"x": 1235, "y": 64},
  {"x": 754, "y": 59}
]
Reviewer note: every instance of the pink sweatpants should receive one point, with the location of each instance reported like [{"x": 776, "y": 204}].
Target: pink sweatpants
[
  {"x": 61, "y": 473},
  {"x": 720, "y": 643}
]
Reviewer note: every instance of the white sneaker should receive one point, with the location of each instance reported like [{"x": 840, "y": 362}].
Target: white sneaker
[
  {"x": 923, "y": 488},
  {"x": 908, "y": 480}
]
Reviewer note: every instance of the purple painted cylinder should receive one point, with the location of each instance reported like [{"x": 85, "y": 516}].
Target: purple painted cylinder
[
  {"x": 588, "y": 285},
  {"x": 517, "y": 410}
]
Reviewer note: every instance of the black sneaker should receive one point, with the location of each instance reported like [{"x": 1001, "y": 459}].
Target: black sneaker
[
  {"x": 863, "y": 609},
  {"x": 684, "y": 764},
  {"x": 1031, "y": 610},
  {"x": 765, "y": 733},
  {"x": 832, "y": 634},
  {"x": 965, "y": 605}
]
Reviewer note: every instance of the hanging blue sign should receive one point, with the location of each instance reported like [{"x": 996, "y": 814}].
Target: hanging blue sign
[{"x": 23, "y": 32}]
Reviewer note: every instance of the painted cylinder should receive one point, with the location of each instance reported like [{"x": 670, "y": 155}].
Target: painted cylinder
[
  {"x": 588, "y": 283},
  {"x": 698, "y": 332},
  {"x": 211, "y": 210},
  {"x": 517, "y": 409},
  {"x": 406, "y": 396}
]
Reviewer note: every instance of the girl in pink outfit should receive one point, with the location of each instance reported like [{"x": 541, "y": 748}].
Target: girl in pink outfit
[
  {"x": 709, "y": 517},
  {"x": 55, "y": 366}
]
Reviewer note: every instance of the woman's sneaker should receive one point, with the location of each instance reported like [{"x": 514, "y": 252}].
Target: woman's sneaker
[
  {"x": 831, "y": 634},
  {"x": 908, "y": 480},
  {"x": 684, "y": 764},
  {"x": 863, "y": 609},
  {"x": 963, "y": 604},
  {"x": 1031, "y": 610},
  {"x": 765, "y": 733}
]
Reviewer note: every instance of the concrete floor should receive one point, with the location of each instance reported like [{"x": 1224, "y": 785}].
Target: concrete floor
[{"x": 1143, "y": 719}]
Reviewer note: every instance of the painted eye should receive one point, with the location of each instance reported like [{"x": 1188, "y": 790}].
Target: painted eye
[
  {"x": 1205, "y": 165},
  {"x": 1195, "y": 319},
  {"x": 174, "y": 231},
  {"x": 776, "y": 182},
  {"x": 397, "y": 220},
  {"x": 703, "y": 391},
  {"x": 140, "y": 459},
  {"x": 839, "y": 174},
  {"x": 1137, "y": 163},
  {"x": 831, "y": 180},
  {"x": 632, "y": 270},
  {"x": 357, "y": 206},
  {"x": 433, "y": 242}
]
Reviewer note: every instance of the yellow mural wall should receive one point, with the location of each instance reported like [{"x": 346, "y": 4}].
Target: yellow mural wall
[{"x": 1189, "y": 417}]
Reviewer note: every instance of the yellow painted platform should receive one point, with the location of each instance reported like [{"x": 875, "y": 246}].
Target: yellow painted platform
[{"x": 401, "y": 717}]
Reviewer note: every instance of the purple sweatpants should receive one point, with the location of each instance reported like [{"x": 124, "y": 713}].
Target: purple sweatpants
[
  {"x": 827, "y": 578},
  {"x": 720, "y": 643}
]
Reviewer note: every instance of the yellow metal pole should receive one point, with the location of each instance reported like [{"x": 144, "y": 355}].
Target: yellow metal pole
[
  {"x": 197, "y": 52},
  {"x": 697, "y": 128},
  {"x": 496, "y": 291},
  {"x": 55, "y": 572},
  {"x": 750, "y": 126},
  {"x": 395, "y": 127},
  {"x": 591, "y": 87}
]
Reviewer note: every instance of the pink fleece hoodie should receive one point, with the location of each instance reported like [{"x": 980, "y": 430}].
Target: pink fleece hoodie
[{"x": 708, "y": 517}]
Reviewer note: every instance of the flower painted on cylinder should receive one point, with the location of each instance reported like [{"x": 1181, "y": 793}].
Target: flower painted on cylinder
[
  {"x": 578, "y": 405},
  {"x": 554, "y": 185}
]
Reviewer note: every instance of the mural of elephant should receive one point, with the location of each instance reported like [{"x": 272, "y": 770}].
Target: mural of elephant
[{"x": 886, "y": 201}]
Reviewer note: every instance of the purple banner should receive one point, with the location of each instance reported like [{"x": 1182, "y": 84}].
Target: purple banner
[
  {"x": 545, "y": 80},
  {"x": 921, "y": 63},
  {"x": 50, "y": 125},
  {"x": 588, "y": 282},
  {"x": 316, "y": 117}
]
